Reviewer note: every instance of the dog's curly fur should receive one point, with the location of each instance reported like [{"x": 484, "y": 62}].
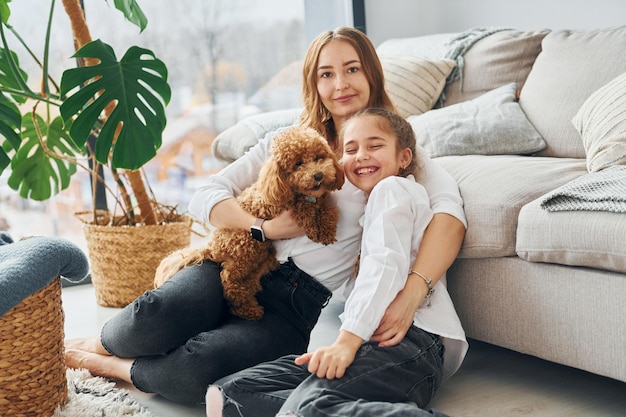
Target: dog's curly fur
[{"x": 300, "y": 175}]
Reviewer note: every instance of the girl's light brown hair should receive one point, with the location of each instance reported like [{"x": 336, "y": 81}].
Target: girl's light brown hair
[{"x": 315, "y": 115}]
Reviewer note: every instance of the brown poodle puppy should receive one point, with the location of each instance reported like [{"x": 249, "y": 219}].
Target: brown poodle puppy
[{"x": 300, "y": 175}]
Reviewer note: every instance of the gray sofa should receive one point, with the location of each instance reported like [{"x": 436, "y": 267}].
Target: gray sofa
[{"x": 523, "y": 121}]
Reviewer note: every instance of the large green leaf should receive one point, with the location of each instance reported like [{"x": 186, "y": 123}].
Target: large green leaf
[
  {"x": 8, "y": 78},
  {"x": 10, "y": 124},
  {"x": 5, "y": 12},
  {"x": 137, "y": 85},
  {"x": 132, "y": 12},
  {"x": 34, "y": 173}
]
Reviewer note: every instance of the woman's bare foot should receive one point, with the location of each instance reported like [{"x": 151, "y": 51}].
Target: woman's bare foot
[
  {"x": 86, "y": 344},
  {"x": 99, "y": 365}
]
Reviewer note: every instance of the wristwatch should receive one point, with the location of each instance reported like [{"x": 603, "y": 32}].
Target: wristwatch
[{"x": 256, "y": 231}]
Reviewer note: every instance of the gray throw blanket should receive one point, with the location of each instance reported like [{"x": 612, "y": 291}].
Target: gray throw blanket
[
  {"x": 28, "y": 265},
  {"x": 597, "y": 191}
]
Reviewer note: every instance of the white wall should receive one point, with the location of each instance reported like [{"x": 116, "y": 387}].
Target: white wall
[{"x": 403, "y": 18}]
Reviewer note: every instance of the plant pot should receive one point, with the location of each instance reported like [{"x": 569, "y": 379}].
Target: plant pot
[
  {"x": 123, "y": 259},
  {"x": 32, "y": 362}
]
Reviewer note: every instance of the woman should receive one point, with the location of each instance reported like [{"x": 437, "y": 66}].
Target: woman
[{"x": 180, "y": 338}]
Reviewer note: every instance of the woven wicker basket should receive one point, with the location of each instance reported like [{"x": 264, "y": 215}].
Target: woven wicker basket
[
  {"x": 32, "y": 362},
  {"x": 123, "y": 259}
]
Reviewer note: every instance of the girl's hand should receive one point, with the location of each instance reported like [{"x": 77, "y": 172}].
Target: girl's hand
[
  {"x": 332, "y": 361},
  {"x": 397, "y": 319},
  {"x": 282, "y": 226}
]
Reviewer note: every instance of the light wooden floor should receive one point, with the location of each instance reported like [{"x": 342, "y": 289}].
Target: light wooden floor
[
  {"x": 493, "y": 382},
  {"x": 497, "y": 382}
]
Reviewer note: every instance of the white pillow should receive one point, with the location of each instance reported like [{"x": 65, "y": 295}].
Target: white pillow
[
  {"x": 237, "y": 139},
  {"x": 491, "y": 124},
  {"x": 414, "y": 83},
  {"x": 601, "y": 122}
]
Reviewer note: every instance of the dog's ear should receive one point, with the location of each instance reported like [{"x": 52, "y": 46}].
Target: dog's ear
[
  {"x": 339, "y": 177},
  {"x": 273, "y": 183}
]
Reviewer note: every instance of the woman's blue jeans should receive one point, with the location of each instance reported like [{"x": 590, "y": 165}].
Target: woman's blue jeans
[
  {"x": 183, "y": 337},
  {"x": 391, "y": 381}
]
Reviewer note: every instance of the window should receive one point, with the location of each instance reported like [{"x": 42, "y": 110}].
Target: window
[{"x": 227, "y": 59}]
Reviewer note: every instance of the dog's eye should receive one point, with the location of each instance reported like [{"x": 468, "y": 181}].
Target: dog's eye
[
  {"x": 299, "y": 163},
  {"x": 318, "y": 157}
]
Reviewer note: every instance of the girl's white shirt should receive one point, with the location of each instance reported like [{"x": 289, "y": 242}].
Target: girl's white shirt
[
  {"x": 331, "y": 265},
  {"x": 396, "y": 215}
]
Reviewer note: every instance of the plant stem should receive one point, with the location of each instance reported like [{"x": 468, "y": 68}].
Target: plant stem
[{"x": 143, "y": 201}]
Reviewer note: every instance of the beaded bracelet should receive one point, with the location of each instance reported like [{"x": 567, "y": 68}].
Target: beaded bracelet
[{"x": 428, "y": 282}]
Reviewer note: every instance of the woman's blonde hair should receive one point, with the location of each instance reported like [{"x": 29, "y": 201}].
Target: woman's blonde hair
[{"x": 315, "y": 115}]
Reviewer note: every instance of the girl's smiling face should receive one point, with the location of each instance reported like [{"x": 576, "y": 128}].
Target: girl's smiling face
[
  {"x": 341, "y": 83},
  {"x": 370, "y": 152}
]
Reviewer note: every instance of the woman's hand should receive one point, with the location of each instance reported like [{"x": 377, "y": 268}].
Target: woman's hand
[
  {"x": 399, "y": 315},
  {"x": 229, "y": 214},
  {"x": 282, "y": 226},
  {"x": 332, "y": 361},
  {"x": 440, "y": 246}
]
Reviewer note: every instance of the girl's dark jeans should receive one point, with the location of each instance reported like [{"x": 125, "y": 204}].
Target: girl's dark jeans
[
  {"x": 183, "y": 337},
  {"x": 392, "y": 381}
]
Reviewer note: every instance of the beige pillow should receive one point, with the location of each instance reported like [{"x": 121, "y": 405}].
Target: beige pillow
[
  {"x": 413, "y": 83},
  {"x": 601, "y": 122},
  {"x": 500, "y": 58},
  {"x": 571, "y": 66}
]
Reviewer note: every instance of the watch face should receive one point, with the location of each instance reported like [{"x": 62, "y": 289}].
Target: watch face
[{"x": 257, "y": 233}]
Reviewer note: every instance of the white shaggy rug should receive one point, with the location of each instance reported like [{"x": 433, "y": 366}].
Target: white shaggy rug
[{"x": 98, "y": 397}]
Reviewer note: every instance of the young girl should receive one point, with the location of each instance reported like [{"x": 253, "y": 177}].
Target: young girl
[{"x": 354, "y": 375}]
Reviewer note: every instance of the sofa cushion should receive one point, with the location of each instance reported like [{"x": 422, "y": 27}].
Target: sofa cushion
[
  {"x": 593, "y": 239},
  {"x": 495, "y": 188},
  {"x": 491, "y": 124},
  {"x": 572, "y": 65},
  {"x": 429, "y": 46},
  {"x": 601, "y": 122},
  {"x": 503, "y": 57},
  {"x": 237, "y": 139},
  {"x": 415, "y": 83}
]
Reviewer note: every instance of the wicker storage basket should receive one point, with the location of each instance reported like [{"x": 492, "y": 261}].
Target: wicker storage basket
[
  {"x": 123, "y": 259},
  {"x": 32, "y": 362}
]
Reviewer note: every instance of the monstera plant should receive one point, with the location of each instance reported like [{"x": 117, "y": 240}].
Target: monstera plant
[
  {"x": 120, "y": 103},
  {"x": 104, "y": 112}
]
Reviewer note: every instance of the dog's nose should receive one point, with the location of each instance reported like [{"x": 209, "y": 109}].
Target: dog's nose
[{"x": 318, "y": 176}]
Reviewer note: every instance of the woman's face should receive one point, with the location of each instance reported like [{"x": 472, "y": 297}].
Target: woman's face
[
  {"x": 370, "y": 152},
  {"x": 341, "y": 83}
]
